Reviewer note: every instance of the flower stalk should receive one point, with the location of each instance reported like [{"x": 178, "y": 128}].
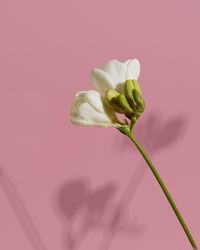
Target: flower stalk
[{"x": 163, "y": 187}]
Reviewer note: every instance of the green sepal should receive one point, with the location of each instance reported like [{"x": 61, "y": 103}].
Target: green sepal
[{"x": 124, "y": 129}]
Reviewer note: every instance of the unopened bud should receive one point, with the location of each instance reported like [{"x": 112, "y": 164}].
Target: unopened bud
[
  {"x": 128, "y": 88},
  {"x": 111, "y": 93},
  {"x": 137, "y": 86},
  {"x": 112, "y": 101},
  {"x": 124, "y": 103},
  {"x": 138, "y": 99}
]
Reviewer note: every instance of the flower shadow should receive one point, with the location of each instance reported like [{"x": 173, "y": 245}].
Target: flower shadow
[
  {"x": 83, "y": 209},
  {"x": 156, "y": 133}
]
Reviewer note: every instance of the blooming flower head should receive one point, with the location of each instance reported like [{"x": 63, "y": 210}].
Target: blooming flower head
[{"x": 117, "y": 91}]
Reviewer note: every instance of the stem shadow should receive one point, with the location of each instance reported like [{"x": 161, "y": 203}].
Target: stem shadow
[{"x": 21, "y": 211}]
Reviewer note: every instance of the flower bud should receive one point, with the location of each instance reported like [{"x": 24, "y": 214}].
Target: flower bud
[
  {"x": 124, "y": 103},
  {"x": 137, "y": 86},
  {"x": 118, "y": 102},
  {"x": 138, "y": 100},
  {"x": 111, "y": 93},
  {"x": 128, "y": 88},
  {"x": 111, "y": 99}
]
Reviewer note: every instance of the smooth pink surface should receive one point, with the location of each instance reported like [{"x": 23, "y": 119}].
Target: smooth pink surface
[{"x": 52, "y": 172}]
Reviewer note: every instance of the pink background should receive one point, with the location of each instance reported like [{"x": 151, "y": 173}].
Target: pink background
[{"x": 54, "y": 174}]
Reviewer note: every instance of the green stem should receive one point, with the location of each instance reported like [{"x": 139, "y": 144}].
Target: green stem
[
  {"x": 164, "y": 188},
  {"x": 133, "y": 121}
]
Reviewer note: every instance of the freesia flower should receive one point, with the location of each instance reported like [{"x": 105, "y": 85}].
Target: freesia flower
[
  {"x": 118, "y": 92},
  {"x": 88, "y": 107}
]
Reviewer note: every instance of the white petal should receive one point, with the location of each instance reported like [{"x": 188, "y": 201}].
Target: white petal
[
  {"x": 87, "y": 110},
  {"x": 88, "y": 113},
  {"x": 102, "y": 81},
  {"x": 116, "y": 70},
  {"x": 133, "y": 69},
  {"x": 91, "y": 124},
  {"x": 94, "y": 99}
]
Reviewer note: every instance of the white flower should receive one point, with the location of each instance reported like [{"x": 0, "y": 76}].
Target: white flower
[
  {"x": 87, "y": 110},
  {"x": 113, "y": 75}
]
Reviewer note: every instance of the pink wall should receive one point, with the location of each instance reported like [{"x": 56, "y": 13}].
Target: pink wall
[{"x": 50, "y": 168}]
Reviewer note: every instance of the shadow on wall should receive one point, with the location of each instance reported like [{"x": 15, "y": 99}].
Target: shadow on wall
[
  {"x": 83, "y": 209},
  {"x": 156, "y": 133},
  {"x": 21, "y": 212}
]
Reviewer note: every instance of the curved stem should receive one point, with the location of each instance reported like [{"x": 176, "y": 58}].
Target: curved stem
[{"x": 164, "y": 188}]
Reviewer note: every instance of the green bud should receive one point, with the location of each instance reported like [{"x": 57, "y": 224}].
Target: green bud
[
  {"x": 128, "y": 88},
  {"x": 138, "y": 99},
  {"x": 124, "y": 103},
  {"x": 137, "y": 86},
  {"x": 111, "y": 93},
  {"x": 115, "y": 103},
  {"x": 112, "y": 101}
]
